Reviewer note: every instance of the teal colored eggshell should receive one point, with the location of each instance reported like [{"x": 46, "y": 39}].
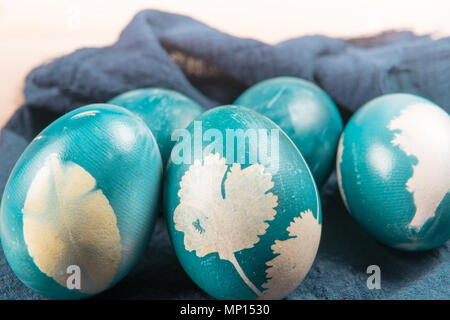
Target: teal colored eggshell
[
  {"x": 211, "y": 198},
  {"x": 84, "y": 192},
  {"x": 306, "y": 113},
  {"x": 163, "y": 110},
  {"x": 393, "y": 167}
]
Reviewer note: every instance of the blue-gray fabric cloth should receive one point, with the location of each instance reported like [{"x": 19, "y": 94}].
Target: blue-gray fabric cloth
[{"x": 159, "y": 49}]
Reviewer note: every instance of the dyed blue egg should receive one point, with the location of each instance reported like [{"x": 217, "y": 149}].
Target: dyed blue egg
[
  {"x": 162, "y": 110},
  {"x": 241, "y": 205},
  {"x": 79, "y": 206},
  {"x": 393, "y": 167},
  {"x": 306, "y": 113}
]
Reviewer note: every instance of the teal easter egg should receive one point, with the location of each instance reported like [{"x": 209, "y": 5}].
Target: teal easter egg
[
  {"x": 306, "y": 113},
  {"x": 80, "y": 204},
  {"x": 162, "y": 110},
  {"x": 393, "y": 168},
  {"x": 241, "y": 205}
]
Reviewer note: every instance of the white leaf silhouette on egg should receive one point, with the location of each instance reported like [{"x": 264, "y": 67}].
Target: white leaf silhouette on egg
[
  {"x": 414, "y": 136},
  {"x": 229, "y": 222},
  {"x": 295, "y": 256},
  {"x": 68, "y": 221}
]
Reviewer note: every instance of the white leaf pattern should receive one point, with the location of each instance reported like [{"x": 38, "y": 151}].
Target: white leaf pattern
[
  {"x": 67, "y": 221},
  {"x": 295, "y": 257},
  {"x": 423, "y": 131},
  {"x": 224, "y": 224}
]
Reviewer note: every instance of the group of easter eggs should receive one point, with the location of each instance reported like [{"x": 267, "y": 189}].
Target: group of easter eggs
[{"x": 85, "y": 194}]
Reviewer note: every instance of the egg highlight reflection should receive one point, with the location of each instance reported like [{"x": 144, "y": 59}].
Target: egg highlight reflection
[
  {"x": 241, "y": 205},
  {"x": 306, "y": 113},
  {"x": 163, "y": 111},
  {"x": 79, "y": 206},
  {"x": 393, "y": 167}
]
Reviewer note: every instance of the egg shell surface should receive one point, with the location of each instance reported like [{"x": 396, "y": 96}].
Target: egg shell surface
[
  {"x": 82, "y": 195},
  {"x": 163, "y": 111},
  {"x": 306, "y": 113},
  {"x": 393, "y": 168},
  {"x": 242, "y": 228}
]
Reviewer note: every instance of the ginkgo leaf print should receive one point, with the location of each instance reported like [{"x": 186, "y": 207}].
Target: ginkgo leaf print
[
  {"x": 67, "y": 221},
  {"x": 295, "y": 256},
  {"x": 229, "y": 222}
]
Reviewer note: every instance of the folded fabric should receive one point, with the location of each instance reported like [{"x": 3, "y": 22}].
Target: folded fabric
[{"x": 159, "y": 49}]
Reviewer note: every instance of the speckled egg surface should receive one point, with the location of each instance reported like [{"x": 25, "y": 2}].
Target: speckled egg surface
[
  {"x": 393, "y": 167},
  {"x": 163, "y": 111},
  {"x": 307, "y": 115},
  {"x": 79, "y": 206},
  {"x": 243, "y": 212}
]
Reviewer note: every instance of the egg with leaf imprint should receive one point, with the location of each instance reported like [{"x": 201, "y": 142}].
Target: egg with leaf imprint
[
  {"x": 241, "y": 205},
  {"x": 393, "y": 169},
  {"x": 80, "y": 204}
]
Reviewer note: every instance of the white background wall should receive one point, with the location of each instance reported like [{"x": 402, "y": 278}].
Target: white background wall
[{"x": 33, "y": 31}]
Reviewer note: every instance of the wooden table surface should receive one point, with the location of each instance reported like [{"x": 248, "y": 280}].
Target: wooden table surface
[{"x": 32, "y": 32}]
